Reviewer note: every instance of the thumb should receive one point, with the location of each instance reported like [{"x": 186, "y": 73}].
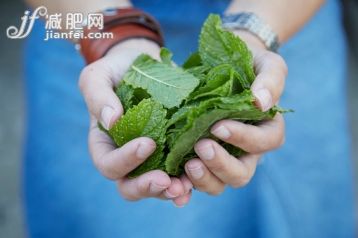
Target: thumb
[
  {"x": 271, "y": 72},
  {"x": 96, "y": 84}
]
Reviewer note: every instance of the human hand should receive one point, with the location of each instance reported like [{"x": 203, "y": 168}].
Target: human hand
[
  {"x": 96, "y": 82},
  {"x": 215, "y": 168}
]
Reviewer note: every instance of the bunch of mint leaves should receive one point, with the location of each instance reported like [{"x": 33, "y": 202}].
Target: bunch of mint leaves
[{"x": 176, "y": 106}]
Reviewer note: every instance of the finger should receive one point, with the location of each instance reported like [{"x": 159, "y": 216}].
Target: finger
[
  {"x": 150, "y": 184},
  {"x": 266, "y": 136},
  {"x": 182, "y": 200},
  {"x": 97, "y": 88},
  {"x": 115, "y": 163},
  {"x": 202, "y": 178},
  {"x": 175, "y": 189},
  {"x": 178, "y": 187},
  {"x": 188, "y": 185},
  {"x": 271, "y": 72},
  {"x": 227, "y": 168}
]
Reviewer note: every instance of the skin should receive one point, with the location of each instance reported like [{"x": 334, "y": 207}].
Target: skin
[{"x": 214, "y": 168}]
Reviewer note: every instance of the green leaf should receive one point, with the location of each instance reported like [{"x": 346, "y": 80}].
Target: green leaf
[
  {"x": 125, "y": 94},
  {"x": 166, "y": 84},
  {"x": 148, "y": 119},
  {"x": 200, "y": 72},
  {"x": 200, "y": 119},
  {"x": 130, "y": 96},
  {"x": 220, "y": 81},
  {"x": 193, "y": 60},
  {"x": 179, "y": 115},
  {"x": 218, "y": 46},
  {"x": 177, "y": 106},
  {"x": 166, "y": 56}
]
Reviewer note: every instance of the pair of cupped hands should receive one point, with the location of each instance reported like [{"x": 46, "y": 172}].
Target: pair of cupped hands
[{"x": 215, "y": 167}]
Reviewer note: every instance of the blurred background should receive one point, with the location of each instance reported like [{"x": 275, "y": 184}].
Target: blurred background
[{"x": 12, "y": 112}]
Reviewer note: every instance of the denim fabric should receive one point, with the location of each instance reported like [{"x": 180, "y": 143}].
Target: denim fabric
[{"x": 301, "y": 190}]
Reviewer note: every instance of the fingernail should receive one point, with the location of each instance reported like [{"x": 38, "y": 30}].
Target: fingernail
[
  {"x": 206, "y": 152},
  {"x": 263, "y": 96},
  {"x": 106, "y": 117},
  {"x": 155, "y": 188},
  {"x": 143, "y": 150},
  {"x": 196, "y": 172},
  {"x": 221, "y": 132},
  {"x": 168, "y": 194}
]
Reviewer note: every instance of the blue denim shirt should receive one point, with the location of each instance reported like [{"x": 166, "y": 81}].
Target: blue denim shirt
[{"x": 301, "y": 190}]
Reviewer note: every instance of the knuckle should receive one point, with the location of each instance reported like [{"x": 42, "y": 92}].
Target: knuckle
[
  {"x": 218, "y": 167},
  {"x": 128, "y": 162},
  {"x": 243, "y": 178},
  {"x": 257, "y": 143},
  {"x": 108, "y": 171},
  {"x": 240, "y": 182},
  {"x": 217, "y": 191},
  {"x": 209, "y": 186},
  {"x": 238, "y": 138},
  {"x": 126, "y": 196},
  {"x": 201, "y": 185},
  {"x": 142, "y": 188},
  {"x": 267, "y": 145},
  {"x": 263, "y": 146},
  {"x": 205, "y": 186}
]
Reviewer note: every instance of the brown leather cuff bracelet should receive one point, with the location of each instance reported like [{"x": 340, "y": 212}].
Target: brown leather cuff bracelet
[{"x": 124, "y": 23}]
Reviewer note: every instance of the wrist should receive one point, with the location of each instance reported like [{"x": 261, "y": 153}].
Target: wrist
[
  {"x": 124, "y": 24},
  {"x": 253, "y": 24},
  {"x": 252, "y": 41},
  {"x": 134, "y": 47}
]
